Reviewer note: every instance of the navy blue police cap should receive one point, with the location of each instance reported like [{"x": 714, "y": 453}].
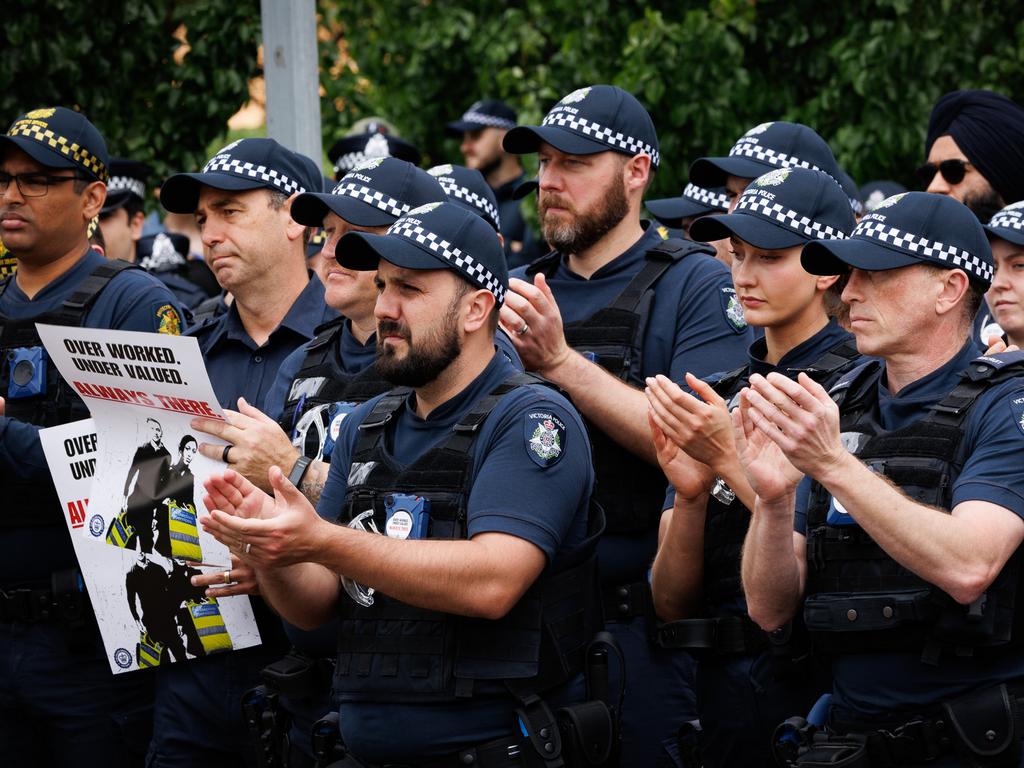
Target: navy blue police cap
[
  {"x": 694, "y": 201},
  {"x": 875, "y": 192},
  {"x": 852, "y": 192},
  {"x": 348, "y": 152},
  {"x": 242, "y": 165},
  {"x": 373, "y": 194},
  {"x": 599, "y": 118},
  {"x": 909, "y": 228},
  {"x": 468, "y": 187},
  {"x": 764, "y": 148},
  {"x": 58, "y": 137},
  {"x": 162, "y": 251},
  {"x": 488, "y": 113},
  {"x": 127, "y": 182},
  {"x": 433, "y": 236},
  {"x": 1008, "y": 224},
  {"x": 783, "y": 208}
]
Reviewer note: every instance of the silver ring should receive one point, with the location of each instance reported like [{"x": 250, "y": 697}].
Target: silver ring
[
  {"x": 227, "y": 577},
  {"x": 524, "y": 329},
  {"x": 224, "y": 453},
  {"x": 248, "y": 547}
]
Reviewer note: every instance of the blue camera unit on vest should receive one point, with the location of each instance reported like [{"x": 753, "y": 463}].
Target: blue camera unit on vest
[
  {"x": 27, "y": 372},
  {"x": 407, "y": 516}
]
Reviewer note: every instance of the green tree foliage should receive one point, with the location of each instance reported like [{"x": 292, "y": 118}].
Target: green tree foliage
[
  {"x": 115, "y": 61},
  {"x": 864, "y": 74}
]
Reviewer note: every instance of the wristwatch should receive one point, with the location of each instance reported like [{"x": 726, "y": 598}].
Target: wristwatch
[
  {"x": 720, "y": 490},
  {"x": 299, "y": 470}
]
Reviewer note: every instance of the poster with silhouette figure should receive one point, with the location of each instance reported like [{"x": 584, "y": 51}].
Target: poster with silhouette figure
[{"x": 132, "y": 483}]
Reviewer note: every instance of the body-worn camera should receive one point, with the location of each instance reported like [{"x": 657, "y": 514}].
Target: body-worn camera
[
  {"x": 27, "y": 372},
  {"x": 408, "y": 517}
]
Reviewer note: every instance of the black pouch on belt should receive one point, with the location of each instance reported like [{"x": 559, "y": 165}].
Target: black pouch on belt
[{"x": 984, "y": 728}]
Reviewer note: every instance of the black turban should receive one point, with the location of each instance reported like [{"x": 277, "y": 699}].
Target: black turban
[{"x": 989, "y": 129}]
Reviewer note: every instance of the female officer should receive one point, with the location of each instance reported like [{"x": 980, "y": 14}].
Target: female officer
[{"x": 746, "y": 681}]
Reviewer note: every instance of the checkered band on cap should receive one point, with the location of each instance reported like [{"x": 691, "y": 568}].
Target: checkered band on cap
[
  {"x": 955, "y": 257},
  {"x": 1008, "y": 220},
  {"x": 471, "y": 197},
  {"x": 593, "y": 130},
  {"x": 276, "y": 179},
  {"x": 350, "y": 160},
  {"x": 373, "y": 197},
  {"x": 126, "y": 184},
  {"x": 747, "y": 148},
  {"x": 484, "y": 119},
  {"x": 69, "y": 149},
  {"x": 706, "y": 197},
  {"x": 780, "y": 214},
  {"x": 462, "y": 262}
]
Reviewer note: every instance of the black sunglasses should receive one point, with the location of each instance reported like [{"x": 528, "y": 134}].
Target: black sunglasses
[{"x": 953, "y": 171}]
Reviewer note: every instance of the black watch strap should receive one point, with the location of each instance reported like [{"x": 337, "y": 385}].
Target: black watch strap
[{"x": 299, "y": 470}]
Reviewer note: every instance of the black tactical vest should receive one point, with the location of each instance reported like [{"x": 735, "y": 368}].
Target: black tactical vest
[
  {"x": 29, "y": 503},
  {"x": 320, "y": 384},
  {"x": 394, "y": 652},
  {"x": 859, "y": 599},
  {"x": 629, "y": 489}
]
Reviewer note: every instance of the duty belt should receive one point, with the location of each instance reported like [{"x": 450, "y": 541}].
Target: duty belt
[
  {"x": 627, "y": 601},
  {"x": 725, "y": 635}
]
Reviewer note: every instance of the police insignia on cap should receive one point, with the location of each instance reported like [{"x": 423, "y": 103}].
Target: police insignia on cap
[
  {"x": 773, "y": 178},
  {"x": 889, "y": 201},
  {"x": 425, "y": 208},
  {"x": 440, "y": 170},
  {"x": 41, "y": 114},
  {"x": 578, "y": 95},
  {"x": 545, "y": 438},
  {"x": 733, "y": 310},
  {"x": 230, "y": 146},
  {"x": 759, "y": 129},
  {"x": 170, "y": 321},
  {"x": 369, "y": 164},
  {"x": 376, "y": 146}
]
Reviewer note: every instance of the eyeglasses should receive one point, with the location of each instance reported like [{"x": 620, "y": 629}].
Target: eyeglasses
[
  {"x": 34, "y": 184},
  {"x": 952, "y": 171}
]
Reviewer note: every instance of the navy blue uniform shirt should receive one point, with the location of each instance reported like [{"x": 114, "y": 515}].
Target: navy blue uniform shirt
[
  {"x": 879, "y": 683},
  {"x": 514, "y": 227},
  {"x": 133, "y": 301},
  {"x": 238, "y": 367},
  {"x": 688, "y": 330},
  {"x": 510, "y": 493}
]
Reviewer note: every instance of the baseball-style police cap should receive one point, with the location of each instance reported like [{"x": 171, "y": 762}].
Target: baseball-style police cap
[
  {"x": 764, "y": 148},
  {"x": 348, "y": 152},
  {"x": 373, "y": 194},
  {"x": 1008, "y": 224},
  {"x": 875, "y": 192},
  {"x": 909, "y": 228},
  {"x": 695, "y": 201},
  {"x": 57, "y": 137},
  {"x": 852, "y": 192},
  {"x": 127, "y": 181},
  {"x": 599, "y": 118},
  {"x": 162, "y": 251},
  {"x": 242, "y": 165},
  {"x": 466, "y": 187},
  {"x": 489, "y": 113},
  {"x": 784, "y": 208},
  {"x": 433, "y": 236}
]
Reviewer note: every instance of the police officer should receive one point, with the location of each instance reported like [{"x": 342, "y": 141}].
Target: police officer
[
  {"x": 165, "y": 255},
  {"x": 436, "y": 462},
  {"x": 374, "y": 142},
  {"x": 908, "y": 526},
  {"x": 467, "y": 188},
  {"x": 745, "y": 684},
  {"x": 1006, "y": 296},
  {"x": 678, "y": 213},
  {"x": 615, "y": 304},
  {"x": 318, "y": 385},
  {"x": 482, "y": 129},
  {"x": 241, "y": 200},
  {"x": 122, "y": 215},
  {"x": 59, "y": 703}
]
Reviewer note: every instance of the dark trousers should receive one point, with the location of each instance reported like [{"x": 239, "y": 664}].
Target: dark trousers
[
  {"x": 659, "y": 697},
  {"x": 743, "y": 699},
  {"x": 59, "y": 708},
  {"x": 197, "y": 719}
]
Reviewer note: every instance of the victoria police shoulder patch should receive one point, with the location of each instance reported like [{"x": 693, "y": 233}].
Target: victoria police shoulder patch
[
  {"x": 733, "y": 310},
  {"x": 545, "y": 435},
  {"x": 169, "y": 321},
  {"x": 1017, "y": 409}
]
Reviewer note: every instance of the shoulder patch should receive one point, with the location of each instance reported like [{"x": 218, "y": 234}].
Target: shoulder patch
[
  {"x": 1017, "y": 409},
  {"x": 544, "y": 435},
  {"x": 169, "y": 319},
  {"x": 733, "y": 310}
]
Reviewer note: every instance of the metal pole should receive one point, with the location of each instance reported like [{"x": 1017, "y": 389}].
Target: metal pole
[{"x": 292, "y": 73}]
